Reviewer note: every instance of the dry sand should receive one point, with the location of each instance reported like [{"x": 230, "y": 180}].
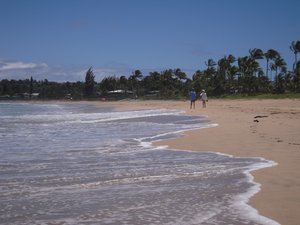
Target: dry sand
[{"x": 259, "y": 128}]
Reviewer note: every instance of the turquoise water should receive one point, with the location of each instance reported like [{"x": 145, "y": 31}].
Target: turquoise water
[{"x": 79, "y": 164}]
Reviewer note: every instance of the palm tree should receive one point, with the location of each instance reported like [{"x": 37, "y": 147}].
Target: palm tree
[
  {"x": 180, "y": 75},
  {"x": 168, "y": 82},
  {"x": 152, "y": 82},
  {"x": 207, "y": 76},
  {"x": 231, "y": 71},
  {"x": 256, "y": 53},
  {"x": 271, "y": 54},
  {"x": 137, "y": 74},
  {"x": 135, "y": 79},
  {"x": 278, "y": 63},
  {"x": 199, "y": 80},
  {"x": 247, "y": 69},
  {"x": 295, "y": 48},
  {"x": 89, "y": 82},
  {"x": 123, "y": 83},
  {"x": 179, "y": 79},
  {"x": 210, "y": 63},
  {"x": 211, "y": 70},
  {"x": 220, "y": 79},
  {"x": 242, "y": 71},
  {"x": 31, "y": 87},
  {"x": 296, "y": 77}
]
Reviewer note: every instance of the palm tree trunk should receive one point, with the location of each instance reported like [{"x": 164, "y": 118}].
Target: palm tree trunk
[
  {"x": 295, "y": 64},
  {"x": 267, "y": 70}
]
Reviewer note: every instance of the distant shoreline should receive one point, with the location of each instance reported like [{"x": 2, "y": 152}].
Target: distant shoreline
[{"x": 112, "y": 100}]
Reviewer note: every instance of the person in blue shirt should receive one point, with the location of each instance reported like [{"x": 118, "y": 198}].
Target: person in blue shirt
[{"x": 193, "y": 97}]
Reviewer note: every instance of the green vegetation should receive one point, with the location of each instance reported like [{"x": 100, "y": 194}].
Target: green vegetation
[
  {"x": 229, "y": 77},
  {"x": 289, "y": 95},
  {"x": 89, "y": 87}
]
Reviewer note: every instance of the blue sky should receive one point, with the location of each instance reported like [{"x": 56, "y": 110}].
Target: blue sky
[{"x": 59, "y": 40}]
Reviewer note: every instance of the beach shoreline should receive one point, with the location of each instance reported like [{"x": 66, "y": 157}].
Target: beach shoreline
[{"x": 248, "y": 128}]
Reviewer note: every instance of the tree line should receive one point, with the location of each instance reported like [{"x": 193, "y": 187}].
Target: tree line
[{"x": 228, "y": 75}]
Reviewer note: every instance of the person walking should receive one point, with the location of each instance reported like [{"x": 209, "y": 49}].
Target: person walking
[
  {"x": 204, "y": 98},
  {"x": 193, "y": 97}
]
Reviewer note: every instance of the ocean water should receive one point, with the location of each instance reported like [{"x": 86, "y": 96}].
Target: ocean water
[{"x": 79, "y": 164}]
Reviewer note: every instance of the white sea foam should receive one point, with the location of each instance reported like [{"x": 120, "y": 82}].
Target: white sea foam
[
  {"x": 89, "y": 117},
  {"x": 240, "y": 203},
  {"x": 101, "y": 166}
]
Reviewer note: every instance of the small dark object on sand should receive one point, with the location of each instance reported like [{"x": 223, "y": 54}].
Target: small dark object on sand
[{"x": 259, "y": 117}]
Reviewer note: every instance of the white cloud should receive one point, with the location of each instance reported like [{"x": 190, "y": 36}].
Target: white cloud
[
  {"x": 40, "y": 71},
  {"x": 20, "y": 65}
]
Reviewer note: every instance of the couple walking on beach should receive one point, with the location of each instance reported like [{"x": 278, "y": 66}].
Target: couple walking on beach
[{"x": 193, "y": 97}]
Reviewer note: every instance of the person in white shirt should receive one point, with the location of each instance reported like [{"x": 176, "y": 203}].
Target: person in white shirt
[{"x": 204, "y": 98}]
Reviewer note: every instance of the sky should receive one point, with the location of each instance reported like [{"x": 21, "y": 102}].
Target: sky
[{"x": 60, "y": 40}]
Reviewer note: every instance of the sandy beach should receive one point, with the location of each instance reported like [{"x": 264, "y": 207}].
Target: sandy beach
[{"x": 256, "y": 128}]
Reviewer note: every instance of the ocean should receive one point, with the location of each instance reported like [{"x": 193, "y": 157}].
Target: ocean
[{"x": 82, "y": 164}]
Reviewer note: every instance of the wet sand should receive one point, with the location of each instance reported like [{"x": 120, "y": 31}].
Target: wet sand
[{"x": 256, "y": 128}]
